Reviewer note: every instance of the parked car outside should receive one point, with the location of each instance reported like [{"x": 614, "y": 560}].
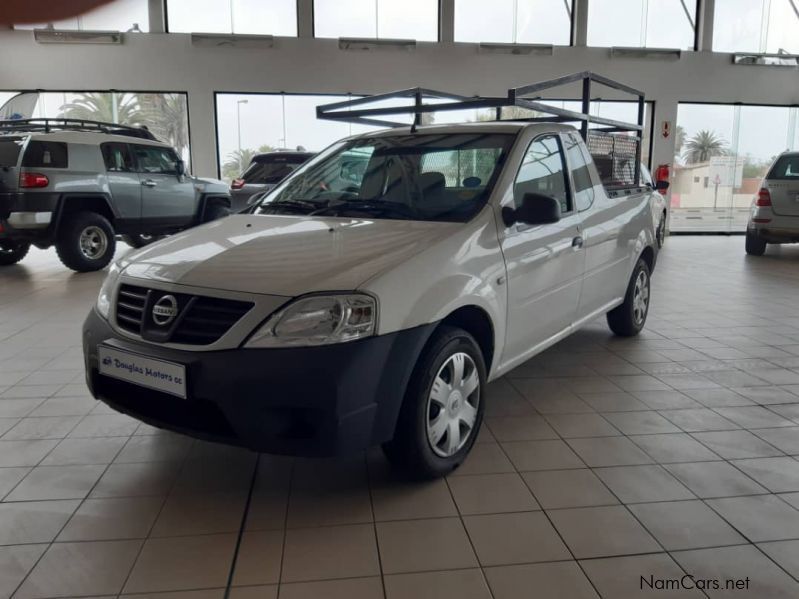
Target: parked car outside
[
  {"x": 264, "y": 172},
  {"x": 78, "y": 184},
  {"x": 775, "y": 210},
  {"x": 348, "y": 312}
]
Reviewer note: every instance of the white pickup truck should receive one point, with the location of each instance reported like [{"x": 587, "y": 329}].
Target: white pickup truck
[{"x": 354, "y": 308}]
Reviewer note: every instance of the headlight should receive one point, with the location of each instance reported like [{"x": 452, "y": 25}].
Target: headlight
[
  {"x": 107, "y": 291},
  {"x": 319, "y": 320}
]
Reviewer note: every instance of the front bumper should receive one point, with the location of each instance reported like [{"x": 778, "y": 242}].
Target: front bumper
[{"x": 311, "y": 401}]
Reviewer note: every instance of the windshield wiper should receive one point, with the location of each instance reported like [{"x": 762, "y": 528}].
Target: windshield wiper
[
  {"x": 369, "y": 206},
  {"x": 301, "y": 206}
]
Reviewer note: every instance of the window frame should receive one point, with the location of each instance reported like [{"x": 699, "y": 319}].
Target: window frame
[{"x": 566, "y": 177}]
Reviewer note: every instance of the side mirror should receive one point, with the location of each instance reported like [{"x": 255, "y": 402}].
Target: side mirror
[
  {"x": 536, "y": 209},
  {"x": 662, "y": 185},
  {"x": 180, "y": 166}
]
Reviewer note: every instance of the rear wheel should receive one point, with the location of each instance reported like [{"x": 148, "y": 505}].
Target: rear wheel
[
  {"x": 85, "y": 242},
  {"x": 755, "y": 246},
  {"x": 12, "y": 252},
  {"x": 628, "y": 319},
  {"x": 443, "y": 407}
]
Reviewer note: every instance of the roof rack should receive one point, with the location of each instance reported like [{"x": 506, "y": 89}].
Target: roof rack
[
  {"x": 65, "y": 124},
  {"x": 602, "y": 129}
]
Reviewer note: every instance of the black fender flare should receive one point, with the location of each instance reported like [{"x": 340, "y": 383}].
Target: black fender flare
[
  {"x": 209, "y": 199},
  {"x": 67, "y": 200}
]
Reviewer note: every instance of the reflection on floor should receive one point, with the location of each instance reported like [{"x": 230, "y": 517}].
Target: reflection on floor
[{"x": 603, "y": 461}]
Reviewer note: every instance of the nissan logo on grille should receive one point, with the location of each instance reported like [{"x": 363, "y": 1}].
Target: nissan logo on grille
[{"x": 165, "y": 310}]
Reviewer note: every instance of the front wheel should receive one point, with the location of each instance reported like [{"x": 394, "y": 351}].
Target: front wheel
[
  {"x": 755, "y": 246},
  {"x": 85, "y": 242},
  {"x": 12, "y": 252},
  {"x": 628, "y": 319},
  {"x": 443, "y": 407}
]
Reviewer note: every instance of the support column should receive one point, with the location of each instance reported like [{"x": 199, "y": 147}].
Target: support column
[
  {"x": 704, "y": 25},
  {"x": 580, "y": 23},
  {"x": 446, "y": 21},
  {"x": 304, "y": 18},
  {"x": 157, "y": 16},
  {"x": 202, "y": 133}
]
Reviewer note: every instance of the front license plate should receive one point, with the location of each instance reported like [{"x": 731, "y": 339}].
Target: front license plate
[{"x": 140, "y": 370}]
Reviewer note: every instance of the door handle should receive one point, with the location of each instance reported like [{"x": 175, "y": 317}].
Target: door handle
[
  {"x": 149, "y": 183},
  {"x": 577, "y": 242}
]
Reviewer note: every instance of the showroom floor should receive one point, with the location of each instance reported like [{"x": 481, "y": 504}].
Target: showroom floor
[{"x": 603, "y": 461}]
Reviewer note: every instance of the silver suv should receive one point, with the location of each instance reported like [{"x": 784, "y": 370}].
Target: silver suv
[
  {"x": 775, "y": 210},
  {"x": 78, "y": 184}
]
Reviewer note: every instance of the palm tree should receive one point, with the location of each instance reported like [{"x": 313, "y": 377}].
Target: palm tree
[
  {"x": 110, "y": 107},
  {"x": 237, "y": 161},
  {"x": 166, "y": 116},
  {"x": 703, "y": 146}
]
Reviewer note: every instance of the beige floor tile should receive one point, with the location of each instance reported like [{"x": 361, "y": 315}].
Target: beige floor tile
[
  {"x": 736, "y": 444},
  {"x": 637, "y": 484},
  {"x": 217, "y": 474},
  {"x": 105, "y": 425},
  {"x": 754, "y": 417},
  {"x": 56, "y": 482},
  {"x": 110, "y": 519},
  {"x": 759, "y": 518},
  {"x": 198, "y": 594},
  {"x": 33, "y": 521},
  {"x": 778, "y": 475},
  {"x": 424, "y": 545},
  {"x": 484, "y": 458},
  {"x": 785, "y": 553},
  {"x": 674, "y": 447},
  {"x": 55, "y": 427},
  {"x": 400, "y": 500},
  {"x": 666, "y": 400},
  {"x": 636, "y": 576},
  {"x": 581, "y": 425},
  {"x": 25, "y": 453},
  {"x": 155, "y": 448},
  {"x": 715, "y": 479},
  {"x": 602, "y": 532},
  {"x": 491, "y": 494},
  {"x": 326, "y": 507},
  {"x": 268, "y": 508},
  {"x": 17, "y": 408},
  {"x": 454, "y": 584},
  {"x": 527, "y": 537},
  {"x": 609, "y": 451},
  {"x": 685, "y": 525},
  {"x": 353, "y": 588},
  {"x": 330, "y": 552},
  {"x": 259, "y": 558},
  {"x": 520, "y": 428},
  {"x": 135, "y": 480},
  {"x": 641, "y": 423},
  {"x": 785, "y": 439},
  {"x": 179, "y": 563},
  {"x": 613, "y": 402},
  {"x": 65, "y": 406},
  {"x": 555, "y": 580},
  {"x": 568, "y": 488},
  {"x": 698, "y": 420},
  {"x": 15, "y": 563},
  {"x": 84, "y": 451},
  {"x": 200, "y": 514},
  {"x": 542, "y": 455},
  {"x": 76, "y": 569},
  {"x": 256, "y": 592},
  {"x": 766, "y": 580}
]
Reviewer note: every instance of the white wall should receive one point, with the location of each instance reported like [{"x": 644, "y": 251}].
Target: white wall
[{"x": 169, "y": 62}]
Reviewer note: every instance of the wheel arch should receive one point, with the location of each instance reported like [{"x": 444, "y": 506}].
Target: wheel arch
[
  {"x": 475, "y": 321},
  {"x": 99, "y": 203},
  {"x": 210, "y": 199}
]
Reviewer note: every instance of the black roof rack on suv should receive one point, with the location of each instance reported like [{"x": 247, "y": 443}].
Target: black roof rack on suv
[{"x": 64, "y": 124}]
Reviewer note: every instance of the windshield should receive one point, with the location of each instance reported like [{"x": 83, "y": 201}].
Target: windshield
[
  {"x": 445, "y": 177},
  {"x": 273, "y": 170},
  {"x": 9, "y": 150}
]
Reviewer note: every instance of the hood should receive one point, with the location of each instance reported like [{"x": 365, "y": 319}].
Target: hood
[{"x": 284, "y": 255}]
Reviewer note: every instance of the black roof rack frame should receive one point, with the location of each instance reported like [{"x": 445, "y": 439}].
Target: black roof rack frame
[
  {"x": 526, "y": 96},
  {"x": 65, "y": 124}
]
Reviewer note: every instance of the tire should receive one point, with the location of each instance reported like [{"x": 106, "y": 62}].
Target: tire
[
  {"x": 430, "y": 452},
  {"x": 12, "y": 252},
  {"x": 85, "y": 242},
  {"x": 629, "y": 318},
  {"x": 139, "y": 240},
  {"x": 661, "y": 231},
  {"x": 215, "y": 211},
  {"x": 755, "y": 246}
]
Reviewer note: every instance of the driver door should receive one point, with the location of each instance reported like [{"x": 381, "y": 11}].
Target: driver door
[
  {"x": 167, "y": 197},
  {"x": 545, "y": 263}
]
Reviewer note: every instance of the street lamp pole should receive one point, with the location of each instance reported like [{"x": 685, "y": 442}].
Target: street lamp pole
[{"x": 238, "y": 124}]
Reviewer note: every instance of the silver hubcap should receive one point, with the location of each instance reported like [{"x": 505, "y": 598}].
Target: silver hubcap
[
  {"x": 93, "y": 242},
  {"x": 641, "y": 297},
  {"x": 452, "y": 405}
]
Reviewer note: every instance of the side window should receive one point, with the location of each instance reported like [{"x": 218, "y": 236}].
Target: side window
[
  {"x": 543, "y": 171},
  {"x": 45, "y": 154},
  {"x": 118, "y": 158},
  {"x": 583, "y": 185},
  {"x": 155, "y": 160}
]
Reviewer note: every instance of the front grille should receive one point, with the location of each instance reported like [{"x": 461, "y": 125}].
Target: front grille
[{"x": 201, "y": 320}]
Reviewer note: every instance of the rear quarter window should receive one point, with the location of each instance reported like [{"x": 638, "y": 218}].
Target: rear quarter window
[
  {"x": 786, "y": 168},
  {"x": 9, "y": 151},
  {"x": 46, "y": 154}
]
